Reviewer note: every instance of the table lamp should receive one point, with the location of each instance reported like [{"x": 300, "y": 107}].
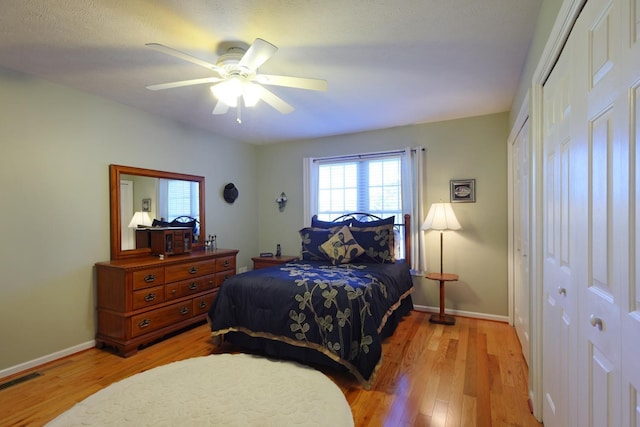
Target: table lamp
[
  {"x": 140, "y": 219},
  {"x": 441, "y": 217}
]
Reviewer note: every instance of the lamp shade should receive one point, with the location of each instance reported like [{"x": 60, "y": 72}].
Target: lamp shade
[
  {"x": 140, "y": 218},
  {"x": 441, "y": 217}
]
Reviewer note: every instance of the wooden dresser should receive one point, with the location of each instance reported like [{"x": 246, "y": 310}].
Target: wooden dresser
[{"x": 142, "y": 299}]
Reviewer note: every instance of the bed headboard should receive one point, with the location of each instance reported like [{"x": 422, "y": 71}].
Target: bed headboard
[{"x": 404, "y": 228}]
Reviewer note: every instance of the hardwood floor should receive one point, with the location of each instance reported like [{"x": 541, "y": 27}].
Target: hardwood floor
[{"x": 469, "y": 374}]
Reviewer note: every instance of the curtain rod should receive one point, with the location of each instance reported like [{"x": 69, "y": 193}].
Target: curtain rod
[{"x": 366, "y": 155}]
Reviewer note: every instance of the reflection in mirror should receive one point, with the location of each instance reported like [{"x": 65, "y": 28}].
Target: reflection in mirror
[
  {"x": 142, "y": 197},
  {"x": 166, "y": 202}
]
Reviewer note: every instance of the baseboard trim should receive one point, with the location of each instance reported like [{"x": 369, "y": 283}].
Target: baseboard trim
[
  {"x": 46, "y": 359},
  {"x": 483, "y": 316}
]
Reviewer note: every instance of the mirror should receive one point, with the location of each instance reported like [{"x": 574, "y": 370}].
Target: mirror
[{"x": 134, "y": 190}]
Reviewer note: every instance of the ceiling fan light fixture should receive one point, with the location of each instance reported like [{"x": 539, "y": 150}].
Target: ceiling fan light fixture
[
  {"x": 228, "y": 91},
  {"x": 251, "y": 94}
]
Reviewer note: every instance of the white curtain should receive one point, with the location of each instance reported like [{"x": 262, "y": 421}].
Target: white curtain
[
  {"x": 310, "y": 186},
  {"x": 414, "y": 171}
]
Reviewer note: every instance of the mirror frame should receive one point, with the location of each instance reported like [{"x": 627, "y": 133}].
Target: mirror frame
[{"x": 115, "y": 173}]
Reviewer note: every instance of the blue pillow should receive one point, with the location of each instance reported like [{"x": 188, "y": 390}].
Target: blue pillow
[
  {"x": 376, "y": 223},
  {"x": 377, "y": 242},
  {"x": 312, "y": 240},
  {"x": 316, "y": 223}
]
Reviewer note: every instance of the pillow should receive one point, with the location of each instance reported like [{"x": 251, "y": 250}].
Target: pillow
[
  {"x": 376, "y": 223},
  {"x": 378, "y": 243},
  {"x": 160, "y": 223},
  {"x": 342, "y": 248},
  {"x": 316, "y": 223},
  {"x": 312, "y": 239}
]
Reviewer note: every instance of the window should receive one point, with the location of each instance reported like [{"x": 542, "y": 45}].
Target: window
[
  {"x": 363, "y": 183},
  {"x": 182, "y": 199}
]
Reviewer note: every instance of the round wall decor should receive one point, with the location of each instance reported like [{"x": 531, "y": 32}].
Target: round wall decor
[{"x": 230, "y": 193}]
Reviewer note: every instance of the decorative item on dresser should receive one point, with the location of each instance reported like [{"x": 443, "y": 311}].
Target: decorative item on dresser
[{"x": 142, "y": 299}]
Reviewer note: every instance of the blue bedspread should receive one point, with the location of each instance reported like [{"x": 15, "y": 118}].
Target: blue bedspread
[{"x": 336, "y": 310}]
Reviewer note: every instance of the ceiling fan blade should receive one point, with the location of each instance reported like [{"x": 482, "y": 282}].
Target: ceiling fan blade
[
  {"x": 295, "y": 82},
  {"x": 257, "y": 54},
  {"x": 274, "y": 100},
  {"x": 220, "y": 108},
  {"x": 186, "y": 57},
  {"x": 183, "y": 83}
]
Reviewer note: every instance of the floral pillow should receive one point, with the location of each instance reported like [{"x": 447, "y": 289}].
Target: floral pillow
[
  {"x": 342, "y": 248},
  {"x": 312, "y": 239},
  {"x": 378, "y": 243}
]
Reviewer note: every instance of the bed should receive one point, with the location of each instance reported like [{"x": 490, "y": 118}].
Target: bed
[{"x": 333, "y": 307}]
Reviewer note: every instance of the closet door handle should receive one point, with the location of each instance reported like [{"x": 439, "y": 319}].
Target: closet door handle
[
  {"x": 596, "y": 322},
  {"x": 562, "y": 291}
]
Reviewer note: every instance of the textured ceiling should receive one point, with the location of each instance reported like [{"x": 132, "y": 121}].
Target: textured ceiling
[{"x": 387, "y": 63}]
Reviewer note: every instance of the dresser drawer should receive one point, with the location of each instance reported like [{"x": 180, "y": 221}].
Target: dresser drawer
[
  {"x": 148, "y": 277},
  {"x": 202, "y": 304},
  {"x": 148, "y": 297},
  {"x": 221, "y": 277},
  {"x": 189, "y": 287},
  {"x": 156, "y": 319},
  {"x": 189, "y": 270},
  {"x": 226, "y": 263}
]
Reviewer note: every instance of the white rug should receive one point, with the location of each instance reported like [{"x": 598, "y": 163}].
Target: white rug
[{"x": 217, "y": 390}]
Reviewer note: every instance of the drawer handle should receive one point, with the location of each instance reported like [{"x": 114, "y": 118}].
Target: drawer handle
[
  {"x": 193, "y": 270},
  {"x": 150, "y": 278},
  {"x": 193, "y": 286},
  {"x": 226, "y": 263},
  {"x": 184, "y": 310},
  {"x": 150, "y": 297},
  {"x": 173, "y": 291},
  {"x": 203, "y": 304},
  {"x": 144, "y": 323}
]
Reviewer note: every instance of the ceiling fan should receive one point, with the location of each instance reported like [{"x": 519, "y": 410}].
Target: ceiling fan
[{"x": 237, "y": 80}]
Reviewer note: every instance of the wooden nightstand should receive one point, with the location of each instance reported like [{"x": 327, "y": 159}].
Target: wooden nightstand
[{"x": 270, "y": 261}]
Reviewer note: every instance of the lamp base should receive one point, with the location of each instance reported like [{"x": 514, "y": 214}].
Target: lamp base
[{"x": 442, "y": 319}]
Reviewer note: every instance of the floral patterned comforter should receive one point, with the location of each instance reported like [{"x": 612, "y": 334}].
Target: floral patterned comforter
[{"x": 336, "y": 310}]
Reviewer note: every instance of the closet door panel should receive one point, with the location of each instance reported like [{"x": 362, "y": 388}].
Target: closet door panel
[
  {"x": 600, "y": 282},
  {"x": 630, "y": 293}
]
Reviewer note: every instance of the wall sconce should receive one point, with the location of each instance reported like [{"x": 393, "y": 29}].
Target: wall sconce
[{"x": 281, "y": 201}]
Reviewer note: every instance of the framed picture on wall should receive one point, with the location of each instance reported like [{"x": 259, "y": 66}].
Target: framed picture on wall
[
  {"x": 463, "y": 190},
  {"x": 146, "y": 205}
]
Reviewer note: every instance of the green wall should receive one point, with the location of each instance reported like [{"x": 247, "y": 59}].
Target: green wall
[
  {"x": 57, "y": 144},
  {"x": 457, "y": 149}
]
